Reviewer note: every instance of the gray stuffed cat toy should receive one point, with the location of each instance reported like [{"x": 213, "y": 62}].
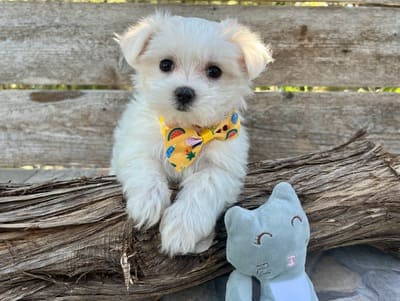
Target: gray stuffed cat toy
[{"x": 269, "y": 243}]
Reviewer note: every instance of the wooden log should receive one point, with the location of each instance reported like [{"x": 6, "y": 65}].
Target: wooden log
[
  {"x": 72, "y": 43},
  {"x": 66, "y": 240},
  {"x": 74, "y": 128}
]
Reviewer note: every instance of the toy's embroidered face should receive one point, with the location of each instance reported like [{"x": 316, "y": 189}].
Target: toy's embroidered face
[
  {"x": 258, "y": 238},
  {"x": 271, "y": 240},
  {"x": 292, "y": 261},
  {"x": 262, "y": 269},
  {"x": 294, "y": 218}
]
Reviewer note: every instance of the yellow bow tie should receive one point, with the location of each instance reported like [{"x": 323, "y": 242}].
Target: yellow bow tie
[{"x": 182, "y": 145}]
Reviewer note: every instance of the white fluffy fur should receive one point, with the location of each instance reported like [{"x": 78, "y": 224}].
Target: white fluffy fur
[{"x": 214, "y": 180}]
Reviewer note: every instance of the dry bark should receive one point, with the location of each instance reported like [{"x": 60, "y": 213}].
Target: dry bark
[{"x": 66, "y": 240}]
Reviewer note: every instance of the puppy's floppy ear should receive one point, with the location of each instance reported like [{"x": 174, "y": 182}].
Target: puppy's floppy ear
[
  {"x": 134, "y": 41},
  {"x": 256, "y": 55}
]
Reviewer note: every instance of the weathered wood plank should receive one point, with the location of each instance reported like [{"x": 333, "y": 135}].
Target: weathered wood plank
[
  {"x": 283, "y": 125},
  {"x": 71, "y": 43},
  {"x": 75, "y": 128},
  {"x": 58, "y": 127},
  {"x": 17, "y": 175}
]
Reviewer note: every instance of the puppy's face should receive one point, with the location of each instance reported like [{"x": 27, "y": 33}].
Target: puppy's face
[{"x": 193, "y": 71}]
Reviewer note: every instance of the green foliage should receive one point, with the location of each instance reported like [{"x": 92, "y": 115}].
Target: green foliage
[
  {"x": 293, "y": 89},
  {"x": 62, "y": 87},
  {"x": 208, "y": 2},
  {"x": 297, "y": 89}
]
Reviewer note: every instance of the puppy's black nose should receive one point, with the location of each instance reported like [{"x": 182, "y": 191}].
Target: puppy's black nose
[{"x": 184, "y": 96}]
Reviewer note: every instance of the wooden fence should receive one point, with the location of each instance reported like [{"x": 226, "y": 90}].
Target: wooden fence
[{"x": 72, "y": 44}]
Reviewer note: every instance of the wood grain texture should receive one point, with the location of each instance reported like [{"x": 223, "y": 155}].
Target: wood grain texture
[
  {"x": 66, "y": 238},
  {"x": 18, "y": 176},
  {"x": 75, "y": 128},
  {"x": 72, "y": 43},
  {"x": 63, "y": 127}
]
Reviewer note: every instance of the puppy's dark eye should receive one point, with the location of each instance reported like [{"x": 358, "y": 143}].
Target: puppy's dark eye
[
  {"x": 166, "y": 65},
  {"x": 214, "y": 72}
]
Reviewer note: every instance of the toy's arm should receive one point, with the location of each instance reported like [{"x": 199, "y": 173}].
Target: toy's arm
[
  {"x": 313, "y": 294},
  {"x": 239, "y": 287}
]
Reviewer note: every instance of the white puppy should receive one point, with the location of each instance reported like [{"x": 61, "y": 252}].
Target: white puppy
[{"x": 194, "y": 74}]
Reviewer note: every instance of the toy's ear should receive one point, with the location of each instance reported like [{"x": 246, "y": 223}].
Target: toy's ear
[
  {"x": 237, "y": 217},
  {"x": 256, "y": 55},
  {"x": 134, "y": 41},
  {"x": 284, "y": 191}
]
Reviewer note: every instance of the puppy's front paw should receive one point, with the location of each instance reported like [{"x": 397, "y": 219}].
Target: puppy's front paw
[
  {"x": 146, "y": 205},
  {"x": 205, "y": 243},
  {"x": 185, "y": 232}
]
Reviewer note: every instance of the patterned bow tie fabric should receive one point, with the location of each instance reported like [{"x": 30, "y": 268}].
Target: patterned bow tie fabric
[{"x": 182, "y": 145}]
